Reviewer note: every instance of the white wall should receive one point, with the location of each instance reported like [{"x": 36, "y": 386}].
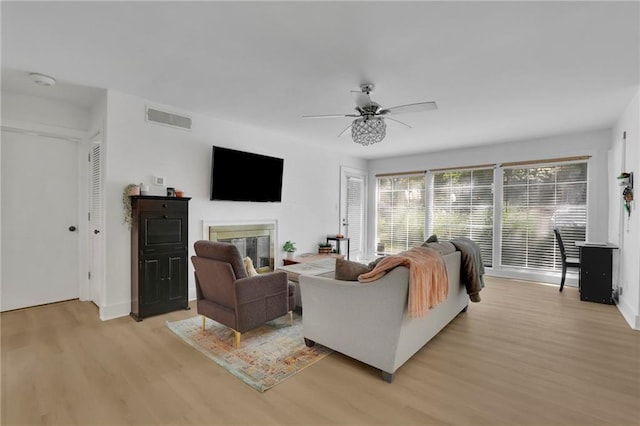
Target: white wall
[
  {"x": 624, "y": 230},
  {"x": 594, "y": 143},
  {"x": 137, "y": 150}
]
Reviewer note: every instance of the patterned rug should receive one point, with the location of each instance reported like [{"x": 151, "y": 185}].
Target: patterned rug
[{"x": 267, "y": 355}]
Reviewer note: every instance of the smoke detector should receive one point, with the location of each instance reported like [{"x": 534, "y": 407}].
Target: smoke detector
[{"x": 42, "y": 80}]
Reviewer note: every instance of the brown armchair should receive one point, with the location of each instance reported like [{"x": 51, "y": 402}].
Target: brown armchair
[{"x": 226, "y": 294}]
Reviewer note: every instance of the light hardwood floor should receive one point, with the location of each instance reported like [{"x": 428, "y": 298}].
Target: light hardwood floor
[{"x": 525, "y": 355}]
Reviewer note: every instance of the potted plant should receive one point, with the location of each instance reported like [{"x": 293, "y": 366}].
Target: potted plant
[
  {"x": 129, "y": 190},
  {"x": 325, "y": 247},
  {"x": 290, "y": 248}
]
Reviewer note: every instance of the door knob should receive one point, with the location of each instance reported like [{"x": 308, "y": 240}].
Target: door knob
[
  {"x": 95, "y": 231},
  {"x": 72, "y": 228}
]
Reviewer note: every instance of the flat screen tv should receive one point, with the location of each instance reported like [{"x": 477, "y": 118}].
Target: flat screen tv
[{"x": 245, "y": 176}]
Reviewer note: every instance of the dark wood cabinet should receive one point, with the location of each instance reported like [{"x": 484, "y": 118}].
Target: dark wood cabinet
[
  {"x": 597, "y": 272},
  {"x": 159, "y": 255}
]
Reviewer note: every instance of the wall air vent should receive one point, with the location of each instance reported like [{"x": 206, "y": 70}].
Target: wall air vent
[{"x": 168, "y": 119}]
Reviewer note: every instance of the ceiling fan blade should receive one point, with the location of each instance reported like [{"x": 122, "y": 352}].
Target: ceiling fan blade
[
  {"x": 331, "y": 116},
  {"x": 345, "y": 130},
  {"x": 361, "y": 99},
  {"x": 398, "y": 121},
  {"x": 404, "y": 109}
]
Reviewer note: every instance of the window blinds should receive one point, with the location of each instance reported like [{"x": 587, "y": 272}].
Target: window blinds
[
  {"x": 400, "y": 212},
  {"x": 463, "y": 207},
  {"x": 535, "y": 200}
]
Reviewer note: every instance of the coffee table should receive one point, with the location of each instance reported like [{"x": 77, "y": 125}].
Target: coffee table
[{"x": 323, "y": 268}]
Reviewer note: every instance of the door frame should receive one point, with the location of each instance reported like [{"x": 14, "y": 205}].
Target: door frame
[{"x": 345, "y": 172}]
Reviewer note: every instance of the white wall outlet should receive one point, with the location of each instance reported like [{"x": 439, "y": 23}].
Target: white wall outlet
[{"x": 158, "y": 180}]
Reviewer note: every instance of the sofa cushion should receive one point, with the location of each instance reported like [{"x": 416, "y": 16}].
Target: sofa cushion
[
  {"x": 443, "y": 247},
  {"x": 347, "y": 270}
]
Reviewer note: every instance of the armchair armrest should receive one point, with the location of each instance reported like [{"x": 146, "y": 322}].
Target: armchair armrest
[{"x": 260, "y": 286}]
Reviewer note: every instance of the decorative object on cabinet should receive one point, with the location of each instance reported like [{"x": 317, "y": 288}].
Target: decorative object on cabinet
[
  {"x": 171, "y": 192},
  {"x": 159, "y": 255},
  {"x": 129, "y": 191}
]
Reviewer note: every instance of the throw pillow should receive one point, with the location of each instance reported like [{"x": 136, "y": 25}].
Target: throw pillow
[
  {"x": 248, "y": 265},
  {"x": 373, "y": 263},
  {"x": 347, "y": 270},
  {"x": 432, "y": 239}
]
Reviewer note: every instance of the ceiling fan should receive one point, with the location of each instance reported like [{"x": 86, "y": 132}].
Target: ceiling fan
[{"x": 369, "y": 125}]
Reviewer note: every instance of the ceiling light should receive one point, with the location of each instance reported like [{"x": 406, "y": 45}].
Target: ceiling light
[
  {"x": 42, "y": 80},
  {"x": 368, "y": 130}
]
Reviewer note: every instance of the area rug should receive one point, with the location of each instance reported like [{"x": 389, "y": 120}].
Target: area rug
[{"x": 267, "y": 355}]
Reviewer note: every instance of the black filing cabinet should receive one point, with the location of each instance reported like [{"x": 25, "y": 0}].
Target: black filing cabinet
[
  {"x": 159, "y": 255},
  {"x": 597, "y": 272}
]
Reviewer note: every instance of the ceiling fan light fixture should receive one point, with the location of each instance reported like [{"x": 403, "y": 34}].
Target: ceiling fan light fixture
[{"x": 368, "y": 130}]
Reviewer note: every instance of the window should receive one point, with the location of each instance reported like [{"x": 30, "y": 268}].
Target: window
[
  {"x": 535, "y": 200},
  {"x": 400, "y": 212},
  {"x": 463, "y": 207}
]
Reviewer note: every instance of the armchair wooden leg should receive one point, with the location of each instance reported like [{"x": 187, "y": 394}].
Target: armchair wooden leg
[
  {"x": 237, "y": 335},
  {"x": 203, "y": 320},
  {"x": 291, "y": 317}
]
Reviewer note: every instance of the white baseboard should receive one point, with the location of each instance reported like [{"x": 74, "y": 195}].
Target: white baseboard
[
  {"x": 627, "y": 313},
  {"x": 115, "y": 311}
]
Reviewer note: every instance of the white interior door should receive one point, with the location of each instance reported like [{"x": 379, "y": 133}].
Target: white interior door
[
  {"x": 40, "y": 255},
  {"x": 352, "y": 210}
]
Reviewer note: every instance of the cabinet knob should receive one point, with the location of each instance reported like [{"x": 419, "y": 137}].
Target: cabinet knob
[
  {"x": 164, "y": 205},
  {"x": 164, "y": 216}
]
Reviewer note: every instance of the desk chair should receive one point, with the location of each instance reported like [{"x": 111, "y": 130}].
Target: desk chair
[{"x": 567, "y": 262}]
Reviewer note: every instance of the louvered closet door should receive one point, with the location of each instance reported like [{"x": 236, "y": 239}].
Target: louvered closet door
[{"x": 95, "y": 225}]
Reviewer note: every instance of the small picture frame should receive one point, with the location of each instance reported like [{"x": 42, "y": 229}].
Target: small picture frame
[{"x": 171, "y": 192}]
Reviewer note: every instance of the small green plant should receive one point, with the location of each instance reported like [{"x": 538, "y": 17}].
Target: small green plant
[
  {"x": 324, "y": 244},
  {"x": 289, "y": 247}
]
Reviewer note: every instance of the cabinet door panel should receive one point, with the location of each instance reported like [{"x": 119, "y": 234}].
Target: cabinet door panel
[
  {"x": 151, "y": 291},
  {"x": 176, "y": 276}
]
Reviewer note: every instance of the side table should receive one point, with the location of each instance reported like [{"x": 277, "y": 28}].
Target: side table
[{"x": 338, "y": 242}]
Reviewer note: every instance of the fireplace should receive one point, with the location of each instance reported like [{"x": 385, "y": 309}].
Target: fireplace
[{"x": 256, "y": 240}]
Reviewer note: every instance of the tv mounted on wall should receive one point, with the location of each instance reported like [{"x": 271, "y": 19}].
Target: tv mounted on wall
[{"x": 245, "y": 176}]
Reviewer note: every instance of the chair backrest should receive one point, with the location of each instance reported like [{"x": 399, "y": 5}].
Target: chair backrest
[
  {"x": 560, "y": 243},
  {"x": 223, "y": 252}
]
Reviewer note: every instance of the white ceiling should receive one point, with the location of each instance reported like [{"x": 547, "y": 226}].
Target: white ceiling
[{"x": 499, "y": 71}]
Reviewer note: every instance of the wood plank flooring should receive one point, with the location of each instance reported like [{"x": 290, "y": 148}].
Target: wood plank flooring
[{"x": 525, "y": 355}]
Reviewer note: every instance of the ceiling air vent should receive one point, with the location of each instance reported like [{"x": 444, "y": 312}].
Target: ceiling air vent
[{"x": 168, "y": 119}]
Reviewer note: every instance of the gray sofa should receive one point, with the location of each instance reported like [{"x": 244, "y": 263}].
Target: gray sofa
[{"x": 369, "y": 321}]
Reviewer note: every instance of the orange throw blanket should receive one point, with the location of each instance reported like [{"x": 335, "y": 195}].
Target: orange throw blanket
[{"x": 428, "y": 281}]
